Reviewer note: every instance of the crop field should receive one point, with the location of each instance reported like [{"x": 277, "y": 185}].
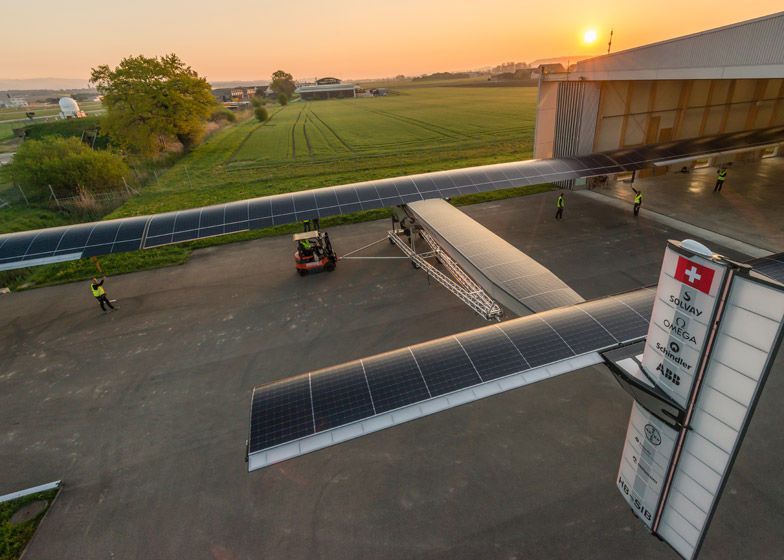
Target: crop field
[
  {"x": 321, "y": 143},
  {"x": 424, "y": 118}
]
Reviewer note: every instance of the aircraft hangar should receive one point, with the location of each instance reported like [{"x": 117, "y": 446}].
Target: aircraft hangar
[{"x": 723, "y": 80}]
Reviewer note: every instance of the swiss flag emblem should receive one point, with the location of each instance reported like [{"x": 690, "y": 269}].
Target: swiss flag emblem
[{"x": 694, "y": 275}]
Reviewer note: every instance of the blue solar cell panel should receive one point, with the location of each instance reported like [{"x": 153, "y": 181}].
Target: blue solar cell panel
[
  {"x": 281, "y": 412},
  {"x": 101, "y": 239},
  {"x": 492, "y": 353},
  {"x": 771, "y": 266},
  {"x": 212, "y": 221},
  {"x": 260, "y": 213},
  {"x": 341, "y": 395},
  {"x": 15, "y": 247},
  {"x": 160, "y": 230},
  {"x": 186, "y": 225},
  {"x": 129, "y": 236},
  {"x": 537, "y": 341},
  {"x": 445, "y": 366},
  {"x": 325, "y": 199},
  {"x": 43, "y": 244},
  {"x": 581, "y": 332},
  {"x": 282, "y": 209},
  {"x": 74, "y": 239},
  {"x": 237, "y": 217},
  {"x": 395, "y": 380}
]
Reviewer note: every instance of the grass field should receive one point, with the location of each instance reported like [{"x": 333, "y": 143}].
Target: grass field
[
  {"x": 314, "y": 144},
  {"x": 322, "y": 143}
]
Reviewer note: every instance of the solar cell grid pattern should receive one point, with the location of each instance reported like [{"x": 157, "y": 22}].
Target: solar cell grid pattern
[
  {"x": 498, "y": 265},
  {"x": 302, "y": 406},
  {"x": 771, "y": 266},
  {"x": 18, "y": 250}
]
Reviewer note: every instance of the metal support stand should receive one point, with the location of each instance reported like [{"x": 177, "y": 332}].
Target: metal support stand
[{"x": 460, "y": 284}]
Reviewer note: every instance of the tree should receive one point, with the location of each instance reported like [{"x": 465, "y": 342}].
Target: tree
[
  {"x": 261, "y": 114},
  {"x": 283, "y": 84},
  {"x": 68, "y": 165},
  {"x": 150, "y": 101},
  {"x": 283, "y": 100}
]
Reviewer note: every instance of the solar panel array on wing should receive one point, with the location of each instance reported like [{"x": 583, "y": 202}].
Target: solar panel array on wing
[
  {"x": 307, "y": 405},
  {"x": 395, "y": 380},
  {"x": 70, "y": 242},
  {"x": 509, "y": 275},
  {"x": 340, "y": 396},
  {"x": 282, "y": 412},
  {"x": 771, "y": 266}
]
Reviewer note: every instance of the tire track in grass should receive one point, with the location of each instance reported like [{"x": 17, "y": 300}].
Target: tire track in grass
[
  {"x": 328, "y": 139},
  {"x": 294, "y": 133},
  {"x": 438, "y": 129},
  {"x": 249, "y": 134},
  {"x": 305, "y": 131},
  {"x": 335, "y": 134},
  {"x": 331, "y": 147},
  {"x": 429, "y": 126}
]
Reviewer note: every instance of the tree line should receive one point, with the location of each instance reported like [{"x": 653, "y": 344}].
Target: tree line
[{"x": 154, "y": 106}]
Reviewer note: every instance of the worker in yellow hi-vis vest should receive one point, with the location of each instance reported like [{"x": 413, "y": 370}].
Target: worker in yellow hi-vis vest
[
  {"x": 96, "y": 288},
  {"x": 721, "y": 176},
  {"x": 560, "y": 203},
  {"x": 637, "y": 201}
]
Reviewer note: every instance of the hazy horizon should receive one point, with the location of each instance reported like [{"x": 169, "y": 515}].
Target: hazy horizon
[{"x": 351, "y": 40}]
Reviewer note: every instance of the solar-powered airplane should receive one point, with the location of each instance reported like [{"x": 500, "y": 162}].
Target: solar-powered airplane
[{"x": 694, "y": 352}]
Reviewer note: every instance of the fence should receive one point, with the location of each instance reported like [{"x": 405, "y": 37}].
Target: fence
[{"x": 16, "y": 196}]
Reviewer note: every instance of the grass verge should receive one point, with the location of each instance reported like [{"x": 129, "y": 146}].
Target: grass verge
[{"x": 14, "y": 538}]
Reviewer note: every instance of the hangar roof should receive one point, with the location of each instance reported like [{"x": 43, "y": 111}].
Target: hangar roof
[
  {"x": 326, "y": 87},
  {"x": 749, "y": 49}
]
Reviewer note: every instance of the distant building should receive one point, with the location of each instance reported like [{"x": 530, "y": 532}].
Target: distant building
[
  {"x": 326, "y": 88},
  {"x": 236, "y": 105},
  {"x": 13, "y": 102},
  {"x": 69, "y": 109},
  {"x": 544, "y": 69}
]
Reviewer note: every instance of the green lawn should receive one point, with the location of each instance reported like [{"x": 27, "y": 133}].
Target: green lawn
[
  {"x": 13, "y": 538},
  {"x": 323, "y": 143},
  {"x": 316, "y": 144}
]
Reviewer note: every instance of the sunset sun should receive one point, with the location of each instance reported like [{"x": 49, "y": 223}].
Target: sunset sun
[{"x": 589, "y": 36}]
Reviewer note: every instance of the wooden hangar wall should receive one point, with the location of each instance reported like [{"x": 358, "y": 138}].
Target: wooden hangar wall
[
  {"x": 581, "y": 117},
  {"x": 632, "y": 113}
]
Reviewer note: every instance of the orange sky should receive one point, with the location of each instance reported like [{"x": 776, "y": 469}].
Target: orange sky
[{"x": 249, "y": 39}]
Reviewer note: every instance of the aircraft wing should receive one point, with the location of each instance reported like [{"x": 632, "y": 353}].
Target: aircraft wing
[
  {"x": 319, "y": 409},
  {"x": 771, "y": 266},
  {"x": 510, "y": 276},
  {"x": 32, "y": 248}
]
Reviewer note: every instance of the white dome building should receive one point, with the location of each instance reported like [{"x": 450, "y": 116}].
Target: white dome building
[{"x": 69, "y": 109}]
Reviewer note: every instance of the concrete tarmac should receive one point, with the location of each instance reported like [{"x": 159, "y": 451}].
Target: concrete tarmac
[
  {"x": 143, "y": 413},
  {"x": 749, "y": 207}
]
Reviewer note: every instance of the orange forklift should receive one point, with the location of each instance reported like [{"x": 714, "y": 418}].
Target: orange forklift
[{"x": 314, "y": 252}]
